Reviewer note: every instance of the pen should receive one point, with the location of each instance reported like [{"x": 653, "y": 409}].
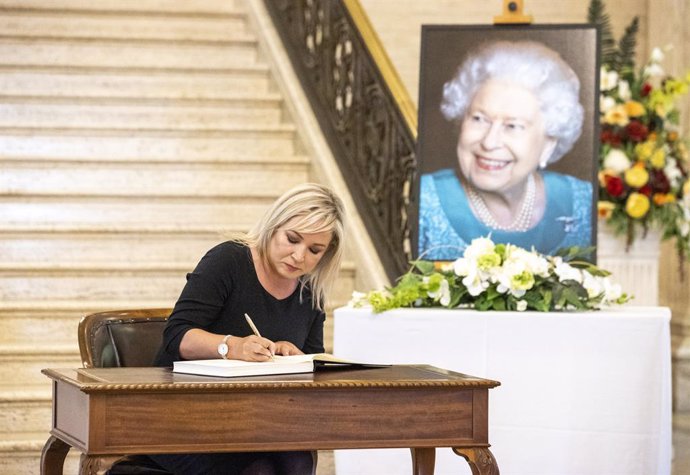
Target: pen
[{"x": 253, "y": 327}]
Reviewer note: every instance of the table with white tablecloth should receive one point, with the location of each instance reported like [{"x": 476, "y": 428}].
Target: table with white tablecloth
[{"x": 582, "y": 393}]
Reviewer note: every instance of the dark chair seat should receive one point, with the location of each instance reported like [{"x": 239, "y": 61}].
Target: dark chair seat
[{"x": 126, "y": 338}]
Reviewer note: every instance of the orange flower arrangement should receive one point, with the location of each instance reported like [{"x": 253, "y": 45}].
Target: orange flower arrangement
[
  {"x": 643, "y": 172},
  {"x": 643, "y": 161}
]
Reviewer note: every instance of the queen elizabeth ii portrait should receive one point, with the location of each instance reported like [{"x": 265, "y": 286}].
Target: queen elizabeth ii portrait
[{"x": 516, "y": 106}]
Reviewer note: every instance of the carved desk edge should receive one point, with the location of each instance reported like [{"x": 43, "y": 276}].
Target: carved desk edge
[{"x": 233, "y": 384}]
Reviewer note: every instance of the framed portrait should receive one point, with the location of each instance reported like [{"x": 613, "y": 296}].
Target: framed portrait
[{"x": 508, "y": 138}]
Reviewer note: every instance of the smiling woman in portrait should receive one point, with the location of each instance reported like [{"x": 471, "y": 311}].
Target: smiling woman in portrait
[{"x": 518, "y": 110}]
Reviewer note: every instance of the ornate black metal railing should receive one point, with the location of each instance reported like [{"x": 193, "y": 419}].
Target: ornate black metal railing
[{"x": 334, "y": 52}]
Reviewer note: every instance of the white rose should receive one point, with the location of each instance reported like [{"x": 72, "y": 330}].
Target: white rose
[
  {"x": 608, "y": 79},
  {"x": 624, "y": 90},
  {"x": 592, "y": 284},
  {"x": 462, "y": 267},
  {"x": 657, "y": 55},
  {"x": 606, "y": 103},
  {"x": 530, "y": 261},
  {"x": 475, "y": 285},
  {"x": 673, "y": 174},
  {"x": 616, "y": 160},
  {"x": 478, "y": 247},
  {"x": 653, "y": 71},
  {"x": 565, "y": 271},
  {"x": 612, "y": 292}
]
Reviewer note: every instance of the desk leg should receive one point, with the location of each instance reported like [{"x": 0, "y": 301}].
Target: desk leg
[
  {"x": 53, "y": 456},
  {"x": 481, "y": 460},
  {"x": 97, "y": 465},
  {"x": 423, "y": 461}
]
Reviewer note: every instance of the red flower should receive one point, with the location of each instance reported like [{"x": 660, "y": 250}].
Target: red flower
[
  {"x": 660, "y": 182},
  {"x": 610, "y": 137},
  {"x": 646, "y": 89},
  {"x": 637, "y": 131},
  {"x": 646, "y": 190},
  {"x": 614, "y": 186}
]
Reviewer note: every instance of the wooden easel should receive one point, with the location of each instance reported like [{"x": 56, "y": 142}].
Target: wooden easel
[{"x": 512, "y": 14}]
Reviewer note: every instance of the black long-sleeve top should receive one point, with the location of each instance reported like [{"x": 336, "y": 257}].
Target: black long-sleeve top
[{"x": 221, "y": 289}]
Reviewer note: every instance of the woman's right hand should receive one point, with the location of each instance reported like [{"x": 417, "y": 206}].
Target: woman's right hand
[{"x": 252, "y": 348}]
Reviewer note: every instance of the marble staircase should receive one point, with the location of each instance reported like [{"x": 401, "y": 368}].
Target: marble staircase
[{"x": 133, "y": 135}]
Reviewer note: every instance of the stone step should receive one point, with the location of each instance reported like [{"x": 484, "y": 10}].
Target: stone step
[
  {"x": 210, "y": 8},
  {"x": 135, "y": 179},
  {"x": 25, "y": 408},
  {"x": 20, "y": 453},
  {"x": 137, "y": 113},
  {"x": 149, "y": 83},
  {"x": 23, "y": 365},
  {"x": 17, "y": 51},
  {"x": 96, "y": 249},
  {"x": 118, "y": 281},
  {"x": 66, "y": 309},
  {"x": 159, "y": 26},
  {"x": 133, "y": 145},
  {"x": 92, "y": 284},
  {"x": 57, "y": 320},
  {"x": 104, "y": 213}
]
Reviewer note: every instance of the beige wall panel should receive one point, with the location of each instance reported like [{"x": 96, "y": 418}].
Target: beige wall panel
[{"x": 398, "y": 23}]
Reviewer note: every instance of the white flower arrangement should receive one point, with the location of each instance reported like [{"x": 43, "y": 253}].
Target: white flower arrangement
[{"x": 493, "y": 276}]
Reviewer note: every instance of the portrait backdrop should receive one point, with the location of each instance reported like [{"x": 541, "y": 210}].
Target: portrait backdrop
[{"x": 445, "y": 47}]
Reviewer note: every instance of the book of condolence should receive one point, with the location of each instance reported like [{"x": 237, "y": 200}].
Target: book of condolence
[{"x": 279, "y": 365}]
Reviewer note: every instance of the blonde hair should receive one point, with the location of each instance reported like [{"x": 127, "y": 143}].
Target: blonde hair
[{"x": 314, "y": 209}]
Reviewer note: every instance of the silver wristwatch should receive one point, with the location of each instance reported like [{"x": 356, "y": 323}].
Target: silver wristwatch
[{"x": 223, "y": 347}]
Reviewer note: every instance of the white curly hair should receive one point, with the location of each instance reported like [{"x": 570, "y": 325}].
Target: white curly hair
[{"x": 532, "y": 65}]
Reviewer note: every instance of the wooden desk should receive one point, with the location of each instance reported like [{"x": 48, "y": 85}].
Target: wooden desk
[{"x": 108, "y": 412}]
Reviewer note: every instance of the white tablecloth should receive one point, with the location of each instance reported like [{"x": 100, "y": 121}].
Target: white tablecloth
[{"x": 581, "y": 393}]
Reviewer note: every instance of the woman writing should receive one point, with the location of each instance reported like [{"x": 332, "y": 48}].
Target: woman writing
[
  {"x": 280, "y": 274},
  {"x": 517, "y": 105}
]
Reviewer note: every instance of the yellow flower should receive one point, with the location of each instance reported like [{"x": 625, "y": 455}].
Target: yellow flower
[
  {"x": 686, "y": 188},
  {"x": 674, "y": 87},
  {"x": 661, "y": 199},
  {"x": 644, "y": 150},
  {"x": 637, "y": 205},
  {"x": 617, "y": 116},
  {"x": 605, "y": 209},
  {"x": 658, "y": 159},
  {"x": 634, "y": 109},
  {"x": 636, "y": 176}
]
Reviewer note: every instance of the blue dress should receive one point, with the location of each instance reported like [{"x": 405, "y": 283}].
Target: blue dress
[{"x": 447, "y": 224}]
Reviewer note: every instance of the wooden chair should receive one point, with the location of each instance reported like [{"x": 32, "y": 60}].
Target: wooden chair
[{"x": 119, "y": 339}]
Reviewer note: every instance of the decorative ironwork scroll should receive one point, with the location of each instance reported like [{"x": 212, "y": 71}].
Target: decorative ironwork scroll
[{"x": 372, "y": 142}]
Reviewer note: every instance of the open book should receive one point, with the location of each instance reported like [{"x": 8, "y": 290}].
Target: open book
[{"x": 279, "y": 365}]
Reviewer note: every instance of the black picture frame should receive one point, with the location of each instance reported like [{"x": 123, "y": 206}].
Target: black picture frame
[{"x": 443, "y": 49}]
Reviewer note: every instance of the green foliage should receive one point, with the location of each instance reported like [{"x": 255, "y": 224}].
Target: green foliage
[
  {"x": 501, "y": 277},
  {"x": 621, "y": 56},
  {"x": 626, "y": 47},
  {"x": 596, "y": 15}
]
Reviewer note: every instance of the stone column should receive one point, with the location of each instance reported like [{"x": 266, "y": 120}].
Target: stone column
[{"x": 663, "y": 30}]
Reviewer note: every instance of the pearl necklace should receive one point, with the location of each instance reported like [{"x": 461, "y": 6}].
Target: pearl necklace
[{"x": 524, "y": 217}]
